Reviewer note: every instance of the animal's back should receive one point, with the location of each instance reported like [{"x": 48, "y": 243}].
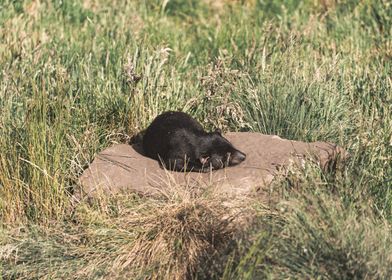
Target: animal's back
[{"x": 158, "y": 135}]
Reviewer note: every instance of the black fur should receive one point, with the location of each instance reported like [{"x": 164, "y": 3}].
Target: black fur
[{"x": 181, "y": 144}]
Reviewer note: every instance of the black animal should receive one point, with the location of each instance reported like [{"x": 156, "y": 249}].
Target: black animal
[{"x": 180, "y": 143}]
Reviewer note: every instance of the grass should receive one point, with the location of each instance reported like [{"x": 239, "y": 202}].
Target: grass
[
  {"x": 78, "y": 76},
  {"x": 128, "y": 238}
]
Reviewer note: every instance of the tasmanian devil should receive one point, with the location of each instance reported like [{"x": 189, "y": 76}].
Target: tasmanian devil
[{"x": 180, "y": 143}]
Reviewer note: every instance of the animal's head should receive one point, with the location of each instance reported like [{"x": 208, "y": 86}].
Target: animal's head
[{"x": 218, "y": 152}]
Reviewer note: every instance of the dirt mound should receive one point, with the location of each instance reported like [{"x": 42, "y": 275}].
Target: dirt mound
[{"x": 124, "y": 168}]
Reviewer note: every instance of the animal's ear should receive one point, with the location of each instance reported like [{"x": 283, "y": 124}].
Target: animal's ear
[
  {"x": 203, "y": 159},
  {"x": 219, "y": 131}
]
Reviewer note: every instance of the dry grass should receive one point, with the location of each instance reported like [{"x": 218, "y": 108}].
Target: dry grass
[{"x": 177, "y": 236}]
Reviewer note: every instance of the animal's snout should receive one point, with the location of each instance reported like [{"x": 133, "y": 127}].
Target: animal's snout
[{"x": 237, "y": 157}]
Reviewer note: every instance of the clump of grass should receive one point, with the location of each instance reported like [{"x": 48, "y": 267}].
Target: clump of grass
[
  {"x": 180, "y": 239},
  {"x": 219, "y": 86}
]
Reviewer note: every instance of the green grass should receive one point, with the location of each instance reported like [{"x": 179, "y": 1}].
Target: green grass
[{"x": 77, "y": 76}]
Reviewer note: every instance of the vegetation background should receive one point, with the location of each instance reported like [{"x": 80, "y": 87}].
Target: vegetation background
[{"x": 77, "y": 76}]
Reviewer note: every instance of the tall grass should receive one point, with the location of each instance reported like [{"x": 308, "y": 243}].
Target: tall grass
[{"x": 77, "y": 76}]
